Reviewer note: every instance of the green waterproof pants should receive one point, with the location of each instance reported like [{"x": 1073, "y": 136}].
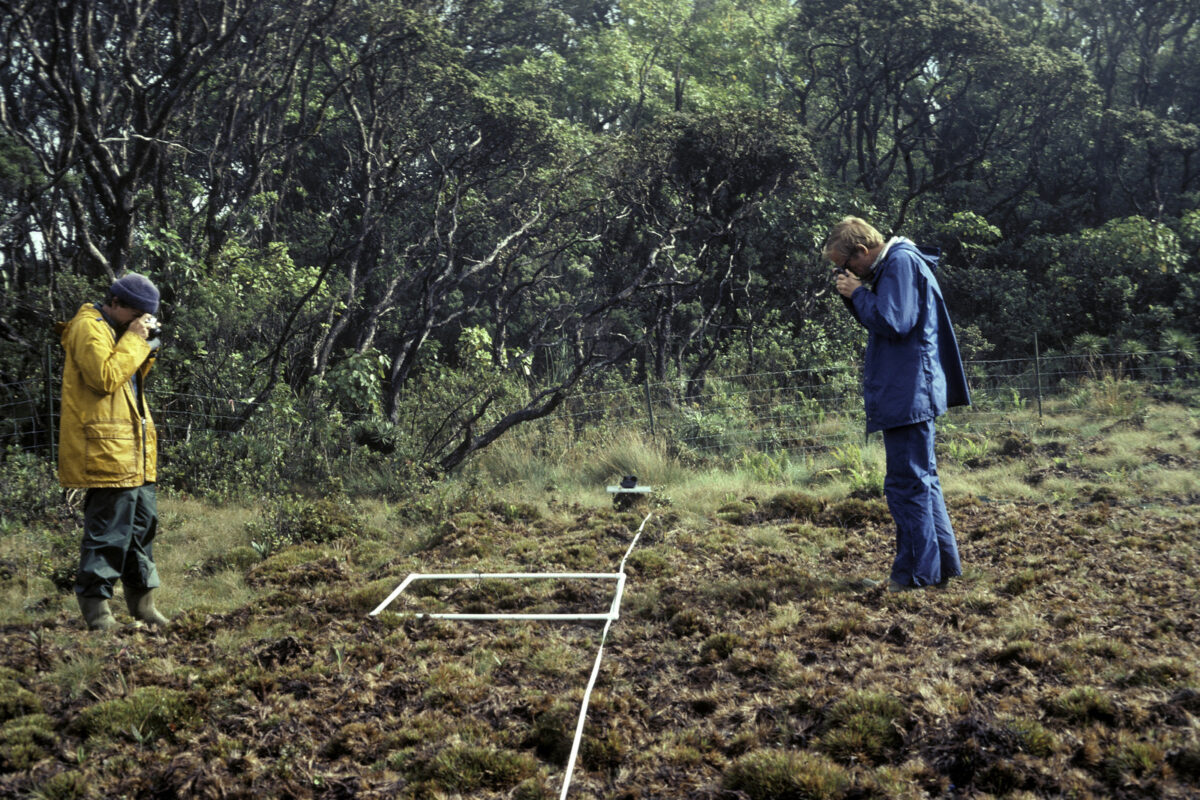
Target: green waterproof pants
[{"x": 119, "y": 526}]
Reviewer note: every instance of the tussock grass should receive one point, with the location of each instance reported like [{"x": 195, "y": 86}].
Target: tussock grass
[{"x": 786, "y": 775}]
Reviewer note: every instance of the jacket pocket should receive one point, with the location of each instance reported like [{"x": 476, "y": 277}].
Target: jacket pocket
[{"x": 112, "y": 450}]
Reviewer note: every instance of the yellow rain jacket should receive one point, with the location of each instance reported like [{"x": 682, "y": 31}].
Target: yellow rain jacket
[{"x": 106, "y": 436}]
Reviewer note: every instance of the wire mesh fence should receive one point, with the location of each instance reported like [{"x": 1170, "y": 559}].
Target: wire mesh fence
[
  {"x": 802, "y": 410},
  {"x": 817, "y": 410}
]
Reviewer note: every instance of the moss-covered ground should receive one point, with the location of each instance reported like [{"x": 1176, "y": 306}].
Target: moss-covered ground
[{"x": 749, "y": 660}]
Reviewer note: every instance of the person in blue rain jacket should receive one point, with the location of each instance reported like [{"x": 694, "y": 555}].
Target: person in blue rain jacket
[{"x": 913, "y": 373}]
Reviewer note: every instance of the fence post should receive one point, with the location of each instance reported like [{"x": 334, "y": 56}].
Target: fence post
[
  {"x": 1037, "y": 372},
  {"x": 50, "y": 406},
  {"x": 649, "y": 405}
]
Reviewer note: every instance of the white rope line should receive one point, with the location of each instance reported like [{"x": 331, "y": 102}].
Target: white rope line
[{"x": 587, "y": 694}]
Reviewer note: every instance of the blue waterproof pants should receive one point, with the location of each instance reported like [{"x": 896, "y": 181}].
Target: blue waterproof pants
[
  {"x": 119, "y": 526},
  {"x": 926, "y": 552}
]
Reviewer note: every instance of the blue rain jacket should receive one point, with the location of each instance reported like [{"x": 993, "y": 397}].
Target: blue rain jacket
[{"x": 913, "y": 370}]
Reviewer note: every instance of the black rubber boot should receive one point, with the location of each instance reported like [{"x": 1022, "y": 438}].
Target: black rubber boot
[
  {"x": 96, "y": 613},
  {"x": 141, "y": 606}
]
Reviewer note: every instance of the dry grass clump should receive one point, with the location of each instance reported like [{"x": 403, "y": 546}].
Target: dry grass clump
[
  {"x": 864, "y": 726},
  {"x": 786, "y": 775}
]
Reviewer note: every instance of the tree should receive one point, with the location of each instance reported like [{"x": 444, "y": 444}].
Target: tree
[
  {"x": 94, "y": 90},
  {"x": 912, "y": 100}
]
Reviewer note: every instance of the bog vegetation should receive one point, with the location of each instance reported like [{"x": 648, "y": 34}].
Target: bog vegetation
[
  {"x": 393, "y": 236},
  {"x": 748, "y": 661}
]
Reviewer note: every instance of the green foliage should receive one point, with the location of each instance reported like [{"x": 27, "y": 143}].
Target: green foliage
[
  {"x": 142, "y": 716},
  {"x": 226, "y": 315},
  {"x": 1110, "y": 394},
  {"x": 29, "y": 490},
  {"x": 852, "y": 463},
  {"x": 68, "y": 785},
  {"x": 222, "y": 466},
  {"x": 15, "y": 699},
  {"x": 1101, "y": 275},
  {"x": 290, "y": 520},
  {"x": 18, "y": 170},
  {"x": 557, "y": 186},
  {"x": 356, "y": 382},
  {"x": 25, "y": 741},
  {"x": 286, "y": 443},
  {"x": 971, "y": 229}
]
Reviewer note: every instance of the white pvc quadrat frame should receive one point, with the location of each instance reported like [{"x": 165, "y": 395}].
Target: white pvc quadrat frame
[
  {"x": 609, "y": 618},
  {"x": 612, "y": 613}
]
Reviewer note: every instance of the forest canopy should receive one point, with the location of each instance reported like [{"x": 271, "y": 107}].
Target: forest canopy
[{"x": 457, "y": 214}]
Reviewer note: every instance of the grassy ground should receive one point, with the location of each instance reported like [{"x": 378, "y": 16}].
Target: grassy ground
[{"x": 748, "y": 662}]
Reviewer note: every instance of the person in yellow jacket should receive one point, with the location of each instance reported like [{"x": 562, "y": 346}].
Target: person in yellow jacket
[{"x": 108, "y": 446}]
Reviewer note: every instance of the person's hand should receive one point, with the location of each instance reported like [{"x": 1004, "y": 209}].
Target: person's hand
[
  {"x": 139, "y": 327},
  {"x": 847, "y": 282}
]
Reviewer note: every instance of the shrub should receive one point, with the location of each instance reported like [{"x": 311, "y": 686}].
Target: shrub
[
  {"x": 291, "y": 520},
  {"x": 786, "y": 775},
  {"x": 29, "y": 489},
  {"x": 220, "y": 465}
]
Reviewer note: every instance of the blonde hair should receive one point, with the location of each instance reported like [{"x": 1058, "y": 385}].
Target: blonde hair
[{"x": 848, "y": 234}]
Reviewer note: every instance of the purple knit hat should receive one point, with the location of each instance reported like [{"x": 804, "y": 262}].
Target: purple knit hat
[{"x": 136, "y": 291}]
